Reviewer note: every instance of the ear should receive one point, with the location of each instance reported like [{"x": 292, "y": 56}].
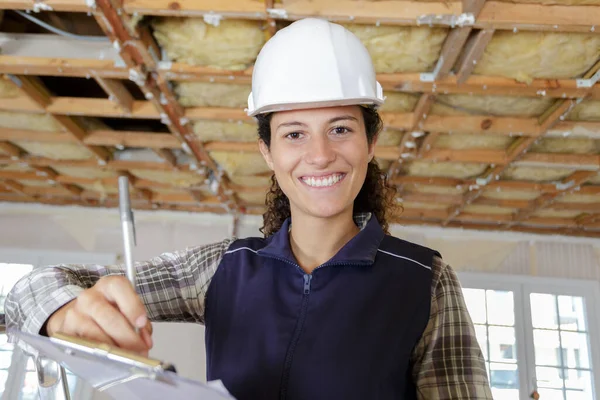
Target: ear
[
  {"x": 266, "y": 153},
  {"x": 372, "y": 147}
]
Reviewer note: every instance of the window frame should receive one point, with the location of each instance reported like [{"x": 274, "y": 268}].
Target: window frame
[{"x": 522, "y": 286}]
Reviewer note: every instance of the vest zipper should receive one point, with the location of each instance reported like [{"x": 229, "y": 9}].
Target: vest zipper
[{"x": 300, "y": 325}]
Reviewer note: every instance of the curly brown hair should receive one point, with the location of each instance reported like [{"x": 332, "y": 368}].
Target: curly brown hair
[{"x": 376, "y": 196}]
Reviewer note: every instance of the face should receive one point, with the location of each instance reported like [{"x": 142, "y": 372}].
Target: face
[{"x": 320, "y": 158}]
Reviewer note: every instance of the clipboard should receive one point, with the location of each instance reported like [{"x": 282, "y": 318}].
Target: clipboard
[{"x": 116, "y": 372}]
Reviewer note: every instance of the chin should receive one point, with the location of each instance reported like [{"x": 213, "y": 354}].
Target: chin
[{"x": 326, "y": 210}]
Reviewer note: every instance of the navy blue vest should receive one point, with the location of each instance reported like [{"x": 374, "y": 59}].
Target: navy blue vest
[{"x": 346, "y": 331}]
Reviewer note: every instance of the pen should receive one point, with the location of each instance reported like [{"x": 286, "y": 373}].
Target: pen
[{"x": 128, "y": 228}]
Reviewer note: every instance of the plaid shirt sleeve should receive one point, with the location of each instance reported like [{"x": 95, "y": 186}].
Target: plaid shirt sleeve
[
  {"x": 172, "y": 287},
  {"x": 447, "y": 361}
]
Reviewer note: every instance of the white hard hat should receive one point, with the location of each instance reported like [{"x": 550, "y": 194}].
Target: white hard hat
[{"x": 313, "y": 63}]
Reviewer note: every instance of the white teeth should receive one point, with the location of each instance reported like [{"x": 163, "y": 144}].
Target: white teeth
[{"x": 317, "y": 182}]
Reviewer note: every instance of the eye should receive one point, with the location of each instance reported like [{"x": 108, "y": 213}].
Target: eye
[
  {"x": 341, "y": 130},
  {"x": 293, "y": 135}
]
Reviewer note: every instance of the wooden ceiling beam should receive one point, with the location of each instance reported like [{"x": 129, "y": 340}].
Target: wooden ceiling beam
[
  {"x": 11, "y": 149},
  {"x": 407, "y": 146},
  {"x": 509, "y": 126},
  {"x": 472, "y": 53},
  {"x": 498, "y": 15},
  {"x": 568, "y": 185},
  {"x": 67, "y": 67},
  {"x": 116, "y": 92},
  {"x": 33, "y": 88},
  {"x": 140, "y": 51},
  {"x": 16, "y": 187}
]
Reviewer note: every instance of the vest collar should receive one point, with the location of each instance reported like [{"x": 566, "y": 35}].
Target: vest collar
[{"x": 361, "y": 249}]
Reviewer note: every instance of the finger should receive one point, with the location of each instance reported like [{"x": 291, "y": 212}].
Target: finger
[
  {"x": 80, "y": 325},
  {"x": 146, "y": 336},
  {"x": 113, "y": 322},
  {"x": 149, "y": 327},
  {"x": 118, "y": 290}
]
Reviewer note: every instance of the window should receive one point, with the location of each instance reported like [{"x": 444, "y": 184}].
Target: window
[
  {"x": 9, "y": 275},
  {"x": 18, "y": 377},
  {"x": 562, "y": 356},
  {"x": 493, "y": 314},
  {"x": 535, "y": 335}
]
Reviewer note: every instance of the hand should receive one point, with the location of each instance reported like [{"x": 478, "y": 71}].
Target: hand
[{"x": 108, "y": 313}]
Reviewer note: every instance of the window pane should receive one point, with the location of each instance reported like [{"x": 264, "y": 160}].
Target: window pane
[
  {"x": 502, "y": 344},
  {"x": 575, "y": 350},
  {"x": 571, "y": 312},
  {"x": 551, "y": 394},
  {"x": 30, "y": 387},
  {"x": 579, "y": 395},
  {"x": 549, "y": 377},
  {"x": 504, "y": 376},
  {"x": 5, "y": 359},
  {"x": 500, "y": 308},
  {"x": 481, "y": 332},
  {"x": 547, "y": 347},
  {"x": 543, "y": 311},
  {"x": 505, "y": 394},
  {"x": 3, "y": 378},
  {"x": 579, "y": 380},
  {"x": 475, "y": 299},
  {"x": 9, "y": 275}
]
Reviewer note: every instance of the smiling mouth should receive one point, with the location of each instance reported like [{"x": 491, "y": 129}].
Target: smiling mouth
[{"x": 322, "y": 181}]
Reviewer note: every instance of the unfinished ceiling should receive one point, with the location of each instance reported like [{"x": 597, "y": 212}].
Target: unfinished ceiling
[{"x": 492, "y": 119}]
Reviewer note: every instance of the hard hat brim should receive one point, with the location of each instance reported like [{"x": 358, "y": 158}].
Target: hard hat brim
[{"x": 376, "y": 102}]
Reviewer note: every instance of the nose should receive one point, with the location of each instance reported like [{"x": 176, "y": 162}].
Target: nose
[{"x": 320, "y": 152}]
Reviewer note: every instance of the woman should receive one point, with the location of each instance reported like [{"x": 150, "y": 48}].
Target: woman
[{"x": 328, "y": 305}]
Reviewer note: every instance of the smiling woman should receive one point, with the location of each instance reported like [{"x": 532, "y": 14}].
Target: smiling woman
[
  {"x": 352, "y": 131},
  {"x": 327, "y": 305}
]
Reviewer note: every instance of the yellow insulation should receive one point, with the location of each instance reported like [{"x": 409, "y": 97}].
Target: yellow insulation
[
  {"x": 510, "y": 194},
  {"x": 233, "y": 44},
  {"x": 549, "y": 213},
  {"x": 434, "y": 189},
  {"x": 8, "y": 89},
  {"x": 389, "y": 137},
  {"x": 399, "y": 102},
  {"x": 174, "y": 178},
  {"x": 401, "y": 48},
  {"x": 566, "y": 145},
  {"x": 557, "y": 2},
  {"x": 29, "y": 121},
  {"x": 490, "y": 210},
  {"x": 206, "y": 94},
  {"x": 56, "y": 151},
  {"x": 238, "y": 163},
  {"x": 527, "y": 55},
  {"x": 578, "y": 198},
  {"x": 446, "y": 169},
  {"x": 414, "y": 205},
  {"x": 459, "y": 141},
  {"x": 586, "y": 111},
  {"x": 502, "y": 106},
  {"x": 82, "y": 172},
  {"x": 536, "y": 174},
  {"x": 595, "y": 180},
  {"x": 225, "y": 131},
  {"x": 251, "y": 181},
  {"x": 254, "y": 198}
]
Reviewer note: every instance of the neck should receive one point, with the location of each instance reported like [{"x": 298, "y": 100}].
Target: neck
[{"x": 315, "y": 240}]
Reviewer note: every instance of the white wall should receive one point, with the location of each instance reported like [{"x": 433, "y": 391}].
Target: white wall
[{"x": 73, "y": 229}]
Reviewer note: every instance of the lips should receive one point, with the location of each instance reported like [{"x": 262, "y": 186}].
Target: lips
[{"x": 323, "y": 181}]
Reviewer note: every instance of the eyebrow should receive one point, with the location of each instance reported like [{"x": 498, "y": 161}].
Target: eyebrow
[{"x": 331, "y": 121}]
